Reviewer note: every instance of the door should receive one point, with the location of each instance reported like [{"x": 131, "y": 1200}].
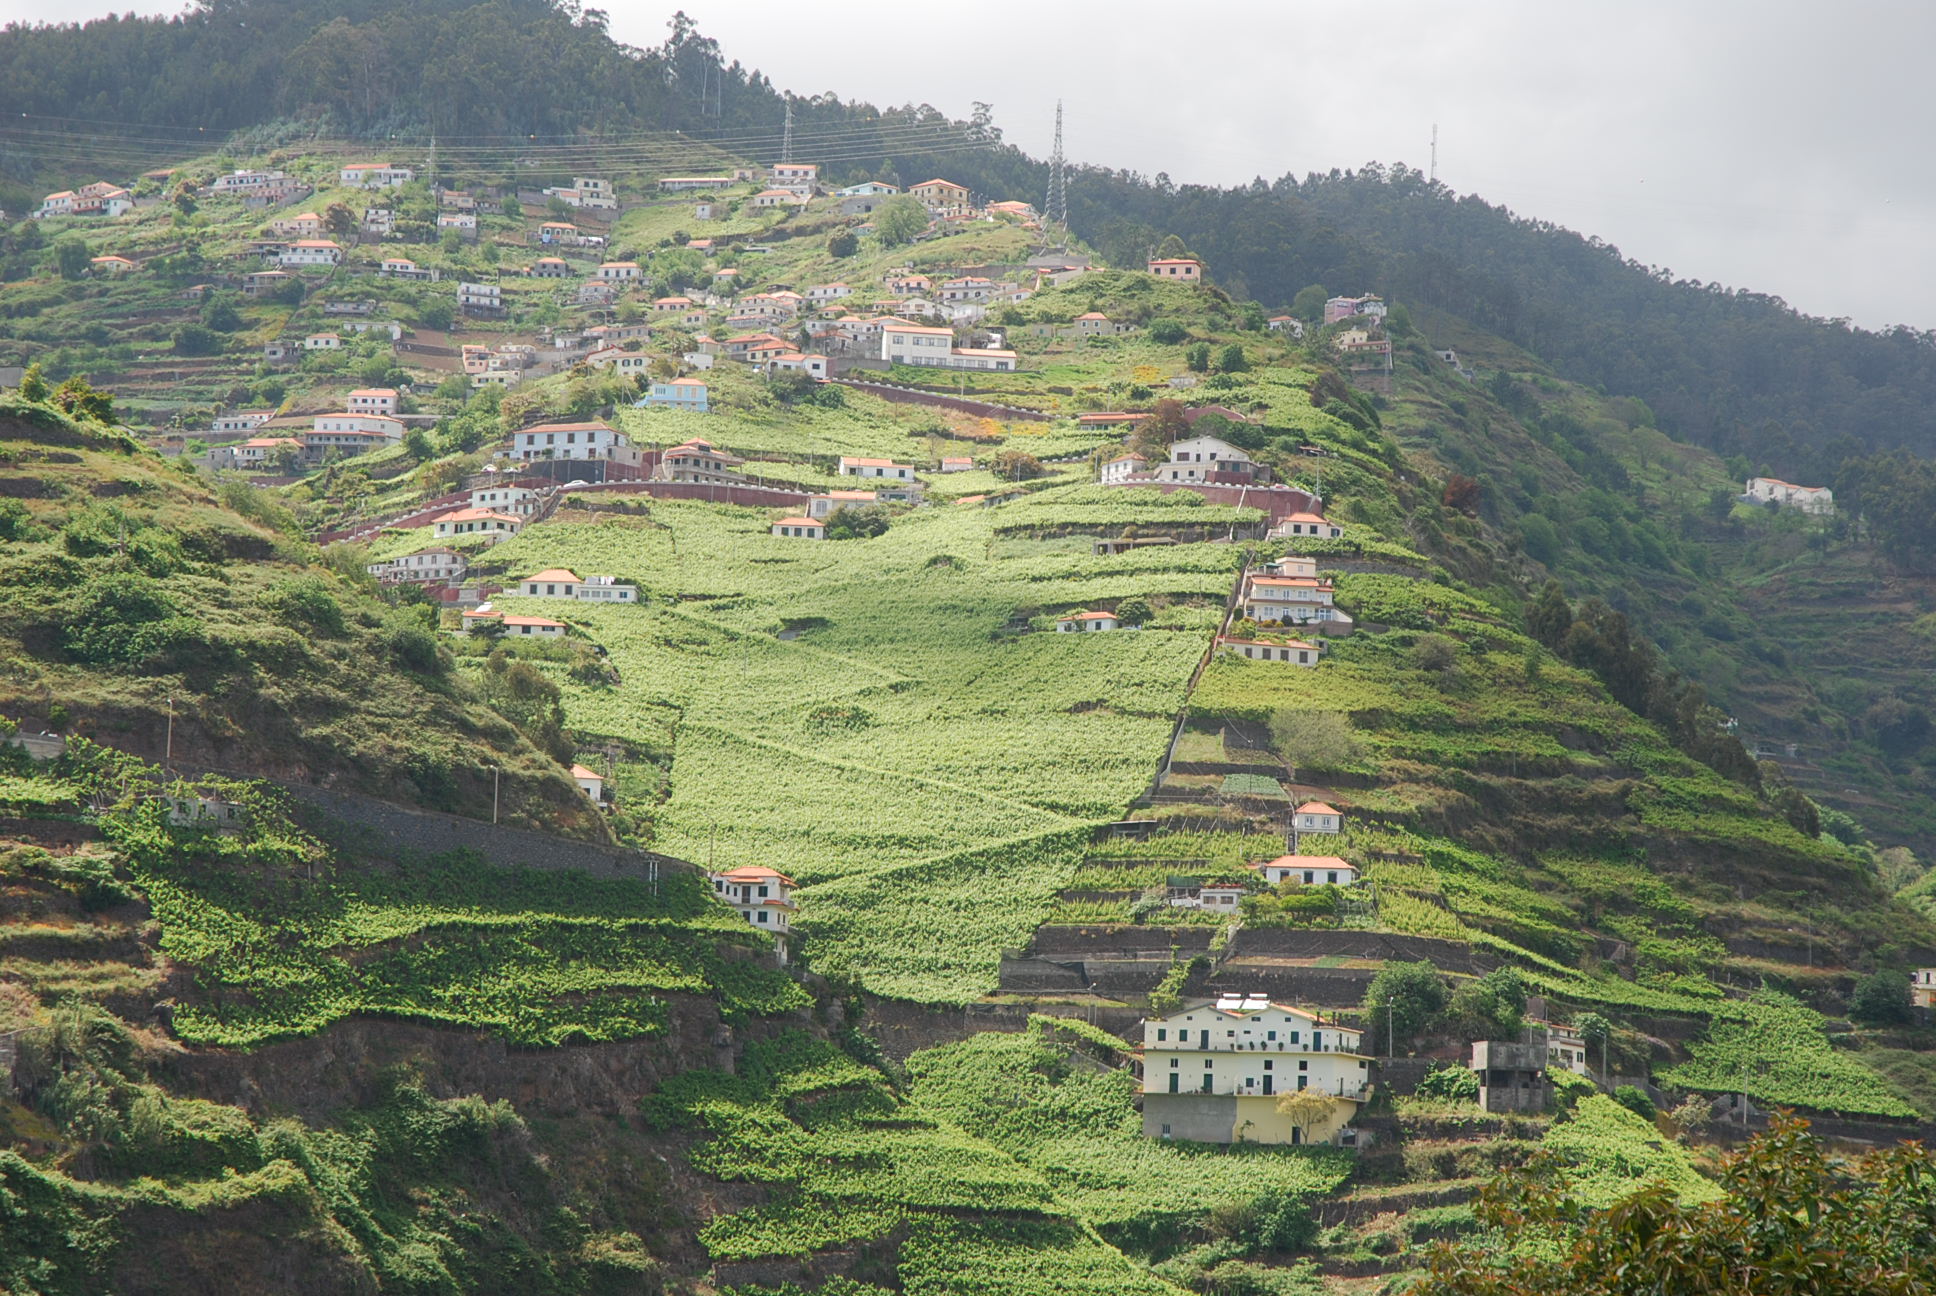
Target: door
[
  {"x": 1203, "y": 1041},
  {"x": 1268, "y": 1090},
  {"x": 1173, "y": 1080}
]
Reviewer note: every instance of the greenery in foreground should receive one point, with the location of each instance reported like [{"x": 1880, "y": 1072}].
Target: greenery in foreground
[{"x": 1791, "y": 1218}]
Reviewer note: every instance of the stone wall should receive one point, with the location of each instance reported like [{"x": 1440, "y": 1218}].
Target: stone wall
[{"x": 377, "y": 827}]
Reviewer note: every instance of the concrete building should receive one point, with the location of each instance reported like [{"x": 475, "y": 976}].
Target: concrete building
[{"x": 1214, "y": 1071}]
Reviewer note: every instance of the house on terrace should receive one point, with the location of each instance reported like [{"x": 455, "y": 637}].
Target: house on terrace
[
  {"x": 1213, "y": 1071},
  {"x": 762, "y": 896},
  {"x": 1084, "y": 622},
  {"x": 1294, "y": 651},
  {"x": 800, "y": 528},
  {"x": 1310, "y": 870},
  {"x": 1316, "y": 817}
]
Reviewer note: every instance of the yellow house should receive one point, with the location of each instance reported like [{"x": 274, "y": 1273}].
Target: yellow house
[{"x": 1217, "y": 1071}]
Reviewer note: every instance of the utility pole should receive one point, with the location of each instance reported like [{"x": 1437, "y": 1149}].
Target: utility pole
[
  {"x": 1435, "y": 153},
  {"x": 786, "y": 136},
  {"x": 168, "y": 745},
  {"x": 1391, "y": 1037},
  {"x": 1057, "y": 215},
  {"x": 495, "y": 772}
]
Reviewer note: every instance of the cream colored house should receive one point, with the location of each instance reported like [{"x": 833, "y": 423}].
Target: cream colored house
[
  {"x": 1317, "y": 817},
  {"x": 1214, "y": 1071},
  {"x": 1311, "y": 870}
]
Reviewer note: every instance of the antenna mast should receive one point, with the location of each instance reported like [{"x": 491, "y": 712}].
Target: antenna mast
[
  {"x": 1435, "y": 153},
  {"x": 786, "y": 139},
  {"x": 1057, "y": 215}
]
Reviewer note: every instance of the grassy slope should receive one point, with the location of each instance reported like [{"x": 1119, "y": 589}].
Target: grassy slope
[{"x": 257, "y": 687}]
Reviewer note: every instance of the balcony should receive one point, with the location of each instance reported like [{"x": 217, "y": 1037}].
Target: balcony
[{"x": 1248, "y": 1046}]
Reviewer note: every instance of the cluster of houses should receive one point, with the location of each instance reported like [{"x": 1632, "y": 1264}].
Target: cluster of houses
[{"x": 369, "y": 423}]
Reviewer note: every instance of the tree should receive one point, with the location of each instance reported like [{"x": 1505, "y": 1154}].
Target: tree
[
  {"x": 1489, "y": 1007},
  {"x": 1167, "y": 332},
  {"x": 1595, "y": 1029},
  {"x": 1792, "y": 1220},
  {"x": 1550, "y": 616},
  {"x": 1306, "y": 1109},
  {"x": 1435, "y": 653},
  {"x": 899, "y": 220},
  {"x": 1461, "y": 493},
  {"x": 1539, "y": 538},
  {"x": 1016, "y": 465},
  {"x": 1197, "y": 357},
  {"x": 195, "y": 340},
  {"x": 219, "y": 312},
  {"x": 81, "y": 399},
  {"x": 843, "y": 245},
  {"x": 1134, "y": 610},
  {"x": 1881, "y": 999},
  {"x": 416, "y": 444},
  {"x": 1171, "y": 248},
  {"x": 1635, "y": 1100},
  {"x": 71, "y": 257},
  {"x": 857, "y": 523},
  {"x": 1308, "y": 305},
  {"x": 1402, "y": 998},
  {"x": 1314, "y": 740},
  {"x": 1231, "y": 360},
  {"x": 339, "y": 220},
  {"x": 33, "y": 385}
]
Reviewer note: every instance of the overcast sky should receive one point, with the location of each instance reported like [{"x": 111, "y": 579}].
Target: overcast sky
[{"x": 1775, "y": 145}]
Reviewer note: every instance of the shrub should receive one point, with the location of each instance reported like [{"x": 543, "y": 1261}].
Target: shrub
[
  {"x": 1449, "y": 1084},
  {"x": 306, "y": 600},
  {"x": 1167, "y": 332},
  {"x": 126, "y": 619},
  {"x": 1635, "y": 1100},
  {"x": 1881, "y": 999}
]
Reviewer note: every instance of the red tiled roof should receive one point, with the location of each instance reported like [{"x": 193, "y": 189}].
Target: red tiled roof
[
  {"x": 1316, "y": 807},
  {"x": 555, "y": 575}
]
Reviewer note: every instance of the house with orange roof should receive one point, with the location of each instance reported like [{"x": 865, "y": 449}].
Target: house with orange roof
[
  {"x": 252, "y": 453},
  {"x": 853, "y": 466},
  {"x": 957, "y": 463},
  {"x": 1294, "y": 651},
  {"x": 762, "y": 896},
  {"x": 766, "y": 198},
  {"x": 1083, "y": 622},
  {"x": 490, "y": 525},
  {"x": 699, "y": 461},
  {"x": 372, "y": 400},
  {"x": 110, "y": 265},
  {"x": 800, "y": 528},
  {"x": 943, "y": 197},
  {"x": 590, "y": 782},
  {"x": 1177, "y": 269},
  {"x": 1317, "y": 817},
  {"x": 425, "y": 566},
  {"x": 592, "y": 440},
  {"x": 1773, "y": 490},
  {"x": 302, "y": 225},
  {"x": 1289, "y": 600},
  {"x": 1306, "y": 524},
  {"x": 311, "y": 252},
  {"x": 1310, "y": 870},
  {"x": 828, "y": 503}
]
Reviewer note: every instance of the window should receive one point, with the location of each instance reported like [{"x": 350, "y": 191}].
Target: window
[
  {"x": 1267, "y": 1064},
  {"x": 1161, "y": 1034},
  {"x": 1303, "y": 1066},
  {"x": 762, "y": 915},
  {"x": 1270, "y": 1035},
  {"x": 1173, "y": 1063}
]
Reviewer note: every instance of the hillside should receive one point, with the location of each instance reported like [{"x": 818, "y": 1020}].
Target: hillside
[{"x": 353, "y": 940}]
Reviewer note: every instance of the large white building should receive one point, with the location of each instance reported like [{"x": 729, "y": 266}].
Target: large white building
[
  {"x": 1214, "y": 1070},
  {"x": 1809, "y": 499},
  {"x": 914, "y": 344},
  {"x": 375, "y": 175},
  {"x": 762, "y": 896},
  {"x": 570, "y": 441},
  {"x": 1205, "y": 458},
  {"x": 561, "y": 582}
]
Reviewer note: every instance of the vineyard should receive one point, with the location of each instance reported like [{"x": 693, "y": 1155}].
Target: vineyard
[
  {"x": 283, "y": 943},
  {"x": 912, "y": 736}
]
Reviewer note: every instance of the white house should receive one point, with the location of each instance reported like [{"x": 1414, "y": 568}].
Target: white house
[
  {"x": 587, "y": 192},
  {"x": 915, "y": 344},
  {"x": 480, "y": 297},
  {"x": 1311, "y": 870},
  {"x": 778, "y": 198},
  {"x": 794, "y": 175},
  {"x": 762, "y": 896},
  {"x": 424, "y": 565},
  {"x": 323, "y": 342},
  {"x": 1922, "y": 988},
  {"x": 1123, "y": 467},
  {"x": 957, "y": 463},
  {"x": 368, "y": 424},
  {"x": 241, "y": 421},
  {"x": 855, "y": 467},
  {"x": 823, "y": 506},
  {"x": 590, "y": 782},
  {"x": 541, "y": 627},
  {"x": 372, "y": 400},
  {"x": 678, "y": 184},
  {"x": 1206, "y": 458},
  {"x": 1213, "y": 1071},
  {"x": 311, "y": 252},
  {"x": 570, "y": 441},
  {"x": 478, "y": 522},
  {"x": 1306, "y": 524},
  {"x": 1317, "y": 817},
  {"x": 375, "y": 175},
  {"x": 1809, "y": 499},
  {"x": 404, "y": 268},
  {"x": 1292, "y": 600},
  {"x": 620, "y": 271},
  {"x": 800, "y": 528},
  {"x": 1217, "y": 897},
  {"x": 506, "y": 497},
  {"x": 1082, "y": 622},
  {"x": 1294, "y": 651},
  {"x": 868, "y": 189},
  {"x": 1298, "y": 565}
]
